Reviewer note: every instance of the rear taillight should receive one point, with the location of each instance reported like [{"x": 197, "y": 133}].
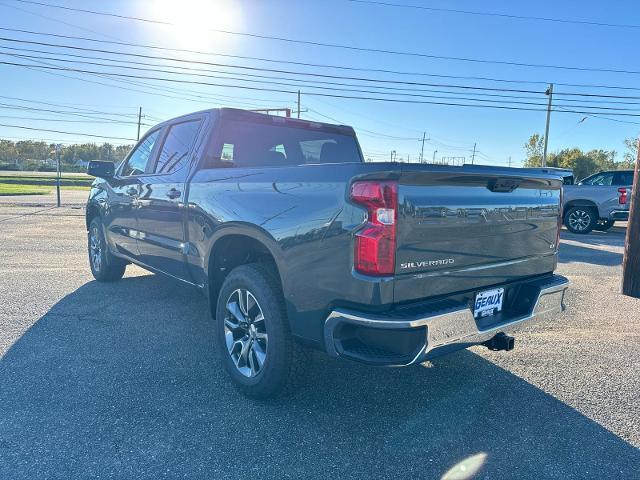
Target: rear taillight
[
  {"x": 622, "y": 196},
  {"x": 375, "y": 242}
]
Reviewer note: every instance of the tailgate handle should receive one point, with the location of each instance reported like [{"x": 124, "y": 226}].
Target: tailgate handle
[{"x": 506, "y": 185}]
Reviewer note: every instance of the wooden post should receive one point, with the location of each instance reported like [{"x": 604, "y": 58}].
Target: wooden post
[{"x": 631, "y": 262}]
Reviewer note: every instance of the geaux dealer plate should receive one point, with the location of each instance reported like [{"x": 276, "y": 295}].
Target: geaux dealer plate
[{"x": 488, "y": 303}]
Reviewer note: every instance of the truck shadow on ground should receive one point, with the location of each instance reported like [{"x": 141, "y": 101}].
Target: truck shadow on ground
[
  {"x": 121, "y": 381},
  {"x": 570, "y": 253},
  {"x": 584, "y": 248}
]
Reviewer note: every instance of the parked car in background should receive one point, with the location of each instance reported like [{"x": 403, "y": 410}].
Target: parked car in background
[
  {"x": 596, "y": 202},
  {"x": 295, "y": 240}
]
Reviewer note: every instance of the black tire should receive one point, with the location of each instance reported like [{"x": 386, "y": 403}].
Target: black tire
[
  {"x": 104, "y": 266},
  {"x": 271, "y": 340},
  {"x": 580, "y": 220},
  {"x": 604, "y": 225}
]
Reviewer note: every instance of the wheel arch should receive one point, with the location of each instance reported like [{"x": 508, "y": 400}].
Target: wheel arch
[
  {"x": 93, "y": 211},
  {"x": 580, "y": 203},
  {"x": 240, "y": 245}
]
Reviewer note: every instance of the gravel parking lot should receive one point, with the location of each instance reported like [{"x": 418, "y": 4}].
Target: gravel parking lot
[{"x": 121, "y": 381}]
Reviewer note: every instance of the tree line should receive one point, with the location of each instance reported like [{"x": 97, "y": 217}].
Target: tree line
[
  {"x": 34, "y": 155},
  {"x": 582, "y": 163}
]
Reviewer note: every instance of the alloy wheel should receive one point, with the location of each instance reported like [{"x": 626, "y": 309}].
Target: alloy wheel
[
  {"x": 245, "y": 332},
  {"x": 95, "y": 249},
  {"x": 579, "y": 220}
]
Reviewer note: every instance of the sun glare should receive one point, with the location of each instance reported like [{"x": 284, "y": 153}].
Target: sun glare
[{"x": 194, "y": 21}]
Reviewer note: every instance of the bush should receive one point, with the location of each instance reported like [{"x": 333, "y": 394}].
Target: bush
[{"x": 9, "y": 167}]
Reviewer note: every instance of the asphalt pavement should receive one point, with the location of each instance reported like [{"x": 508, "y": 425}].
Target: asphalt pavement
[{"x": 121, "y": 381}]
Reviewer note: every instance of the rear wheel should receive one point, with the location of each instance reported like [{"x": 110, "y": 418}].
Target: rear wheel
[
  {"x": 104, "y": 266},
  {"x": 580, "y": 219},
  {"x": 603, "y": 225},
  {"x": 252, "y": 334}
]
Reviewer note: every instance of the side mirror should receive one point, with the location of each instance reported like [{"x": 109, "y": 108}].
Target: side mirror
[{"x": 101, "y": 169}]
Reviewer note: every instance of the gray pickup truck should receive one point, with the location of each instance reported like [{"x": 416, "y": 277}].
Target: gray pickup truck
[
  {"x": 295, "y": 240},
  {"x": 596, "y": 202}
]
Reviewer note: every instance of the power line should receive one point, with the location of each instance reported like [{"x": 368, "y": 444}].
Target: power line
[
  {"x": 63, "y": 120},
  {"x": 376, "y": 134},
  {"x": 597, "y": 115},
  {"x": 246, "y": 80},
  {"x": 320, "y": 65},
  {"x": 341, "y": 46},
  {"x": 496, "y": 14},
  {"x": 7, "y": 106},
  {"x": 71, "y": 106},
  {"x": 64, "y": 132},
  {"x": 153, "y": 93},
  {"x": 315, "y": 74},
  {"x": 335, "y": 83},
  {"x": 57, "y": 20},
  {"x": 332, "y": 95},
  {"x": 190, "y": 69}
]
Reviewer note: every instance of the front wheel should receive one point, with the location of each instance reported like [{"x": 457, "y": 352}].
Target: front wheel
[
  {"x": 580, "y": 220},
  {"x": 104, "y": 266},
  {"x": 252, "y": 333}
]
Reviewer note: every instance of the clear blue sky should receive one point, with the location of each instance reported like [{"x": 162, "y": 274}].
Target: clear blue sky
[{"x": 452, "y": 130}]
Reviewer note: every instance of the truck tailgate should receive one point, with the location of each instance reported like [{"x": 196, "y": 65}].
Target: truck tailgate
[{"x": 466, "y": 228}]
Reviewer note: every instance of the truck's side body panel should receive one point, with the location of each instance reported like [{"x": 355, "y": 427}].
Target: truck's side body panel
[{"x": 301, "y": 215}]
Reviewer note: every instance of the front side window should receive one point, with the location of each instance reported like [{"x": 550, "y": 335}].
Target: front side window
[
  {"x": 174, "y": 155},
  {"x": 139, "y": 158},
  {"x": 599, "y": 179},
  {"x": 255, "y": 144}
]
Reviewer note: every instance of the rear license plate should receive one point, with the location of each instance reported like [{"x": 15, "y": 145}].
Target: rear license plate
[{"x": 488, "y": 302}]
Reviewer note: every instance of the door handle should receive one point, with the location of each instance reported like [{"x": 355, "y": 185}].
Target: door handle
[
  {"x": 132, "y": 191},
  {"x": 173, "y": 193}
]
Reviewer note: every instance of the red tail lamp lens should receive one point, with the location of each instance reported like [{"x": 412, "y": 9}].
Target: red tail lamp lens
[
  {"x": 375, "y": 242},
  {"x": 622, "y": 198}
]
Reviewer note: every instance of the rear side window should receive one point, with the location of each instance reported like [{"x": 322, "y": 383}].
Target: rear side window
[
  {"x": 249, "y": 144},
  {"x": 139, "y": 157},
  {"x": 174, "y": 155},
  {"x": 623, "y": 178}
]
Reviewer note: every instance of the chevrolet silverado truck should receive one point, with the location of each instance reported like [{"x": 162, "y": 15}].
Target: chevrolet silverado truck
[
  {"x": 298, "y": 243},
  {"x": 596, "y": 202}
]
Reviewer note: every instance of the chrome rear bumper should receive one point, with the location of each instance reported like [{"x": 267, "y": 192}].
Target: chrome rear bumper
[
  {"x": 434, "y": 331},
  {"x": 619, "y": 215}
]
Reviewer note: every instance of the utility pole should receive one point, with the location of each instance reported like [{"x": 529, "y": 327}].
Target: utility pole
[
  {"x": 139, "y": 122},
  {"x": 299, "y": 104},
  {"x": 631, "y": 261},
  {"x": 59, "y": 173},
  {"x": 422, "y": 151},
  {"x": 434, "y": 155},
  {"x": 509, "y": 161},
  {"x": 546, "y": 130},
  {"x": 473, "y": 155}
]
